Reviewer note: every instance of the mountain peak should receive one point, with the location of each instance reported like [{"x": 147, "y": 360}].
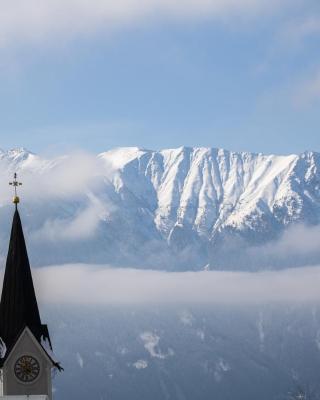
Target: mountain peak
[
  {"x": 185, "y": 201},
  {"x": 19, "y": 153}
]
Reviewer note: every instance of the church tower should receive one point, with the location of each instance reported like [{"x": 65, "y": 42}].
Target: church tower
[{"x": 25, "y": 362}]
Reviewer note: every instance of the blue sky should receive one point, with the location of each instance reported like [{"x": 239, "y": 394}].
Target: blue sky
[{"x": 243, "y": 75}]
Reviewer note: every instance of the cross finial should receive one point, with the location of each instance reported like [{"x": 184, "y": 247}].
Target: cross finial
[{"x": 15, "y": 184}]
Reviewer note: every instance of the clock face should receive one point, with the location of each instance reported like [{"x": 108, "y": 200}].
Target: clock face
[{"x": 27, "y": 369}]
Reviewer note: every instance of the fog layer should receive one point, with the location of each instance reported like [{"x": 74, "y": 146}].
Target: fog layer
[{"x": 88, "y": 284}]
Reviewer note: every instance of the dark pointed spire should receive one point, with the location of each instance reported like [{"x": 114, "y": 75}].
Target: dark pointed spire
[{"x": 19, "y": 307}]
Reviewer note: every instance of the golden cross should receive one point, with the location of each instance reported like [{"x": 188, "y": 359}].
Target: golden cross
[{"x": 15, "y": 184}]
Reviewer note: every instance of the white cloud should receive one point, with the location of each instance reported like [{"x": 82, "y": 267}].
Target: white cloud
[
  {"x": 295, "y": 32},
  {"x": 64, "y": 176},
  {"x": 70, "y": 184},
  {"x": 298, "y": 240},
  {"x": 82, "y": 226},
  {"x": 308, "y": 91},
  {"x": 22, "y": 20},
  {"x": 88, "y": 284},
  {"x": 299, "y": 91}
]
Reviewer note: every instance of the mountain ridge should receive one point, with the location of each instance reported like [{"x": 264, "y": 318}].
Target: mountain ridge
[{"x": 188, "y": 203}]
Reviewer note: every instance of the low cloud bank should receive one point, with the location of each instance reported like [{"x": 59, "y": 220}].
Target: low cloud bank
[
  {"x": 89, "y": 284},
  {"x": 297, "y": 240},
  {"x": 57, "y": 177}
]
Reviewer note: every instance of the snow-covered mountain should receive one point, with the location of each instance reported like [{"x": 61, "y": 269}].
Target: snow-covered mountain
[
  {"x": 174, "y": 209},
  {"x": 187, "y": 353}
]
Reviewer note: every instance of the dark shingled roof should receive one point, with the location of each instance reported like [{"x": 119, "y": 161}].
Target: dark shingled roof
[{"x": 19, "y": 307}]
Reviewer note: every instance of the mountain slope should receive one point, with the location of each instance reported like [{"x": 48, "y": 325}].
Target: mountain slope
[
  {"x": 186, "y": 352},
  {"x": 174, "y": 209},
  {"x": 212, "y": 189}
]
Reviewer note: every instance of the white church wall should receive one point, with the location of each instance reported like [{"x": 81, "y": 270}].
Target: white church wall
[{"x": 27, "y": 345}]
